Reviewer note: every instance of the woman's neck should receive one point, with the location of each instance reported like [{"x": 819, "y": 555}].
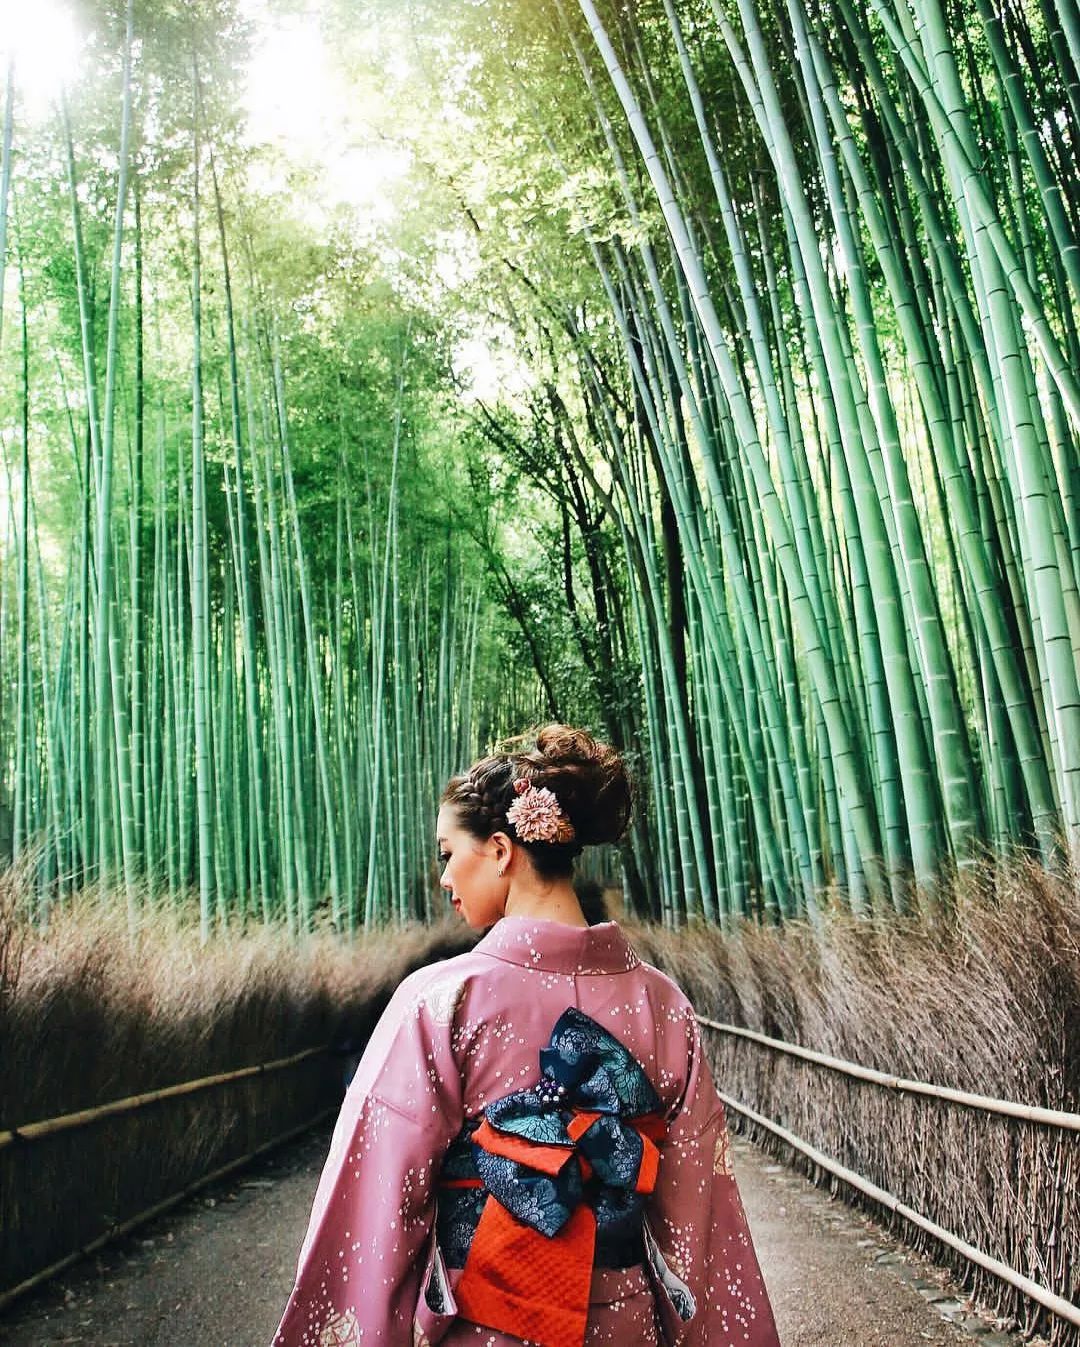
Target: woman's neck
[{"x": 554, "y": 902}]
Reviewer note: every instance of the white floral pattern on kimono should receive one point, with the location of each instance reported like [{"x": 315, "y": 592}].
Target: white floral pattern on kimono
[{"x": 461, "y": 1034}]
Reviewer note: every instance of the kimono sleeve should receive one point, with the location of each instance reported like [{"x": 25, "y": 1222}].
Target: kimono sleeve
[
  {"x": 359, "y": 1272},
  {"x": 708, "y": 1285}
]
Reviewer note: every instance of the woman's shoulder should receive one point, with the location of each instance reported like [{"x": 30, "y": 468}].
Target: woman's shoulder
[
  {"x": 436, "y": 988},
  {"x": 663, "y": 983},
  {"x": 657, "y": 975}
]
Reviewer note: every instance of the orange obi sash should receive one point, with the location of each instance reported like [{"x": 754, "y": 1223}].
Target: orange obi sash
[{"x": 575, "y": 1150}]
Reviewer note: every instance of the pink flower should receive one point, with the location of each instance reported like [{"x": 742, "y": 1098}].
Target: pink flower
[{"x": 537, "y": 817}]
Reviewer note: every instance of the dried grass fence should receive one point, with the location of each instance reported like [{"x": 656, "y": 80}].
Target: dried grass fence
[
  {"x": 91, "y": 1014},
  {"x": 985, "y": 1000}
]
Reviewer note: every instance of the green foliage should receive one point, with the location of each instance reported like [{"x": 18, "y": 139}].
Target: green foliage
[{"x": 694, "y": 369}]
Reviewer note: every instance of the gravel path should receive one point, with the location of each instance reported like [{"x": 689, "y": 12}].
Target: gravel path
[
  {"x": 837, "y": 1279},
  {"x": 216, "y": 1272}
]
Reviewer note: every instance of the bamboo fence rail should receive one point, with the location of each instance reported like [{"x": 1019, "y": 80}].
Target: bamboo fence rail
[
  {"x": 125, "y": 1227},
  {"x": 36, "y": 1131},
  {"x": 1049, "y": 1300},
  {"x": 1048, "y": 1117},
  {"x": 1056, "y": 1304}
]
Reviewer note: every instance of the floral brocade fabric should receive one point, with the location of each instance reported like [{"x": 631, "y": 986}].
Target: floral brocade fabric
[
  {"x": 459, "y": 1210},
  {"x": 583, "y": 1069}
]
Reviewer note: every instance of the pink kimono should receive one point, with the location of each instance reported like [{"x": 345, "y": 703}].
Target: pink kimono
[{"x": 490, "y": 1045}]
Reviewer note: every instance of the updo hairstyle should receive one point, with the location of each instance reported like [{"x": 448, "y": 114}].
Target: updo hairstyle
[{"x": 587, "y": 778}]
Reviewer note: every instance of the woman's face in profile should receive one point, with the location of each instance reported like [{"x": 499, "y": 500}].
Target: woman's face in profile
[{"x": 470, "y": 872}]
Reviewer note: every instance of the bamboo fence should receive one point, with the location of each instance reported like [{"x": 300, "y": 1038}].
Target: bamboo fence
[
  {"x": 49, "y": 1127},
  {"x": 1051, "y": 1293}
]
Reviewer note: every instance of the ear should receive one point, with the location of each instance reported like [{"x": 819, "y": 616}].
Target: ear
[{"x": 504, "y": 849}]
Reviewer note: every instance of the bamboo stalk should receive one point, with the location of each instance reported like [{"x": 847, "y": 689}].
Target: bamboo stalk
[
  {"x": 1046, "y": 1117},
  {"x": 48, "y": 1127}
]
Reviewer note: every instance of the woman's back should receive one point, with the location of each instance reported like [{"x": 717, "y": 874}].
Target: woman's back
[
  {"x": 460, "y": 1036},
  {"x": 508, "y": 992}
]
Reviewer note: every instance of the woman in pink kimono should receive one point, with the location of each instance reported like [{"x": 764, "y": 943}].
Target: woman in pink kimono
[{"x": 532, "y": 1149}]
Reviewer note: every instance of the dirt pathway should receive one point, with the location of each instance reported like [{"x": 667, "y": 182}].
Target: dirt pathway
[
  {"x": 837, "y": 1279},
  {"x": 216, "y": 1272}
]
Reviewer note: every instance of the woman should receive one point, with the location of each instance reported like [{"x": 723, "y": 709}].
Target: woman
[{"x": 532, "y": 1148}]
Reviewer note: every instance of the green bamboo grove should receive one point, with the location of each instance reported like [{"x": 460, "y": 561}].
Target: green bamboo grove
[
  {"x": 937, "y": 704},
  {"x": 836, "y": 405},
  {"x": 786, "y": 499},
  {"x": 241, "y": 650}
]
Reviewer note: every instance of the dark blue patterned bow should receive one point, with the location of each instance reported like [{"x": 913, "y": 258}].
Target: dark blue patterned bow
[{"x": 585, "y": 1071}]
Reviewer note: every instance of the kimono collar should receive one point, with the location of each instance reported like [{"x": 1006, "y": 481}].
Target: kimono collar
[{"x": 554, "y": 947}]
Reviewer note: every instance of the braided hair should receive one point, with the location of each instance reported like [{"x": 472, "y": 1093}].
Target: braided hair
[{"x": 588, "y": 778}]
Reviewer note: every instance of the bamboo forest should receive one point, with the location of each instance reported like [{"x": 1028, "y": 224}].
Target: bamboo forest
[
  {"x": 384, "y": 381},
  {"x": 702, "y": 372}
]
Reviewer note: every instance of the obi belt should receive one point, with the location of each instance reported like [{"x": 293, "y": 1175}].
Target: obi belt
[{"x": 550, "y": 1182}]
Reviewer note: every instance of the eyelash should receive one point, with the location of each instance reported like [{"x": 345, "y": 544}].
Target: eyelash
[{"x": 444, "y": 856}]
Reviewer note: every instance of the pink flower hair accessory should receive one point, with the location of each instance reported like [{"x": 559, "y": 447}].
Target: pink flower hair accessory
[{"x": 537, "y": 815}]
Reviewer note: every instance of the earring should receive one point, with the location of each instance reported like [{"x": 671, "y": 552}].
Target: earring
[{"x": 502, "y": 871}]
